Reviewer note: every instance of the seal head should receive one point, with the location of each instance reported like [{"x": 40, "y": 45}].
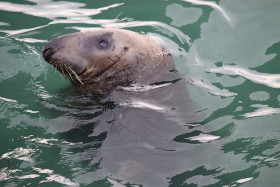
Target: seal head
[{"x": 102, "y": 59}]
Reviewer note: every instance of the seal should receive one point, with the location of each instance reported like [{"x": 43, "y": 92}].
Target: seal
[
  {"x": 144, "y": 115},
  {"x": 103, "y": 59}
]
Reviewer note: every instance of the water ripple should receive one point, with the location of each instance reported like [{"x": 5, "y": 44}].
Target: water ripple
[
  {"x": 211, "y": 88},
  {"x": 60, "y": 179},
  {"x": 53, "y": 10},
  {"x": 271, "y": 80},
  {"x": 181, "y": 36},
  {"x": 203, "y": 138},
  {"x": 240, "y": 181},
  {"x": 8, "y": 100},
  {"x": 262, "y": 110},
  {"x": 143, "y": 87},
  {"x": 142, "y": 104},
  {"x": 20, "y": 154},
  {"x": 225, "y": 13}
]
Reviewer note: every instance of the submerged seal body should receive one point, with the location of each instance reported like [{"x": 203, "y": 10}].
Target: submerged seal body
[{"x": 102, "y": 59}]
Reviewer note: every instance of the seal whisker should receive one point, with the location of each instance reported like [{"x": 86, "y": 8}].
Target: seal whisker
[
  {"x": 60, "y": 73},
  {"x": 67, "y": 70},
  {"x": 75, "y": 74},
  {"x": 63, "y": 72}
]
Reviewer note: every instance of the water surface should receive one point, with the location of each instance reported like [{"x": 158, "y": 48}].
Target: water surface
[{"x": 228, "y": 53}]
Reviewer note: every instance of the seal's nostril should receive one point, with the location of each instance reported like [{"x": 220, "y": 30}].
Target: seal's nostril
[{"x": 47, "y": 52}]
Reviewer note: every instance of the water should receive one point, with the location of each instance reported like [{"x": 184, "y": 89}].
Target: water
[{"x": 228, "y": 52}]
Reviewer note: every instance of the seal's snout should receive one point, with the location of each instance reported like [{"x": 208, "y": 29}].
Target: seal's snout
[
  {"x": 49, "y": 49},
  {"x": 48, "y": 52},
  {"x": 53, "y": 46}
]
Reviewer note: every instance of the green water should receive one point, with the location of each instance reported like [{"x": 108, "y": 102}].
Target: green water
[{"x": 229, "y": 52}]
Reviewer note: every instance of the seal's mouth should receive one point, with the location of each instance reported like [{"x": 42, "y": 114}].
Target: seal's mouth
[
  {"x": 88, "y": 75},
  {"x": 65, "y": 69},
  {"x": 68, "y": 72}
]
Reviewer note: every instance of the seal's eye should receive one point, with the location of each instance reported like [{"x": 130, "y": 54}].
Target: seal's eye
[{"x": 103, "y": 43}]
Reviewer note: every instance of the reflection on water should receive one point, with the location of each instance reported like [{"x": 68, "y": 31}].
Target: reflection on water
[
  {"x": 261, "y": 78},
  {"x": 71, "y": 12},
  {"x": 53, "y": 10},
  {"x": 262, "y": 111},
  {"x": 218, "y": 126},
  {"x": 224, "y": 13},
  {"x": 181, "y": 36}
]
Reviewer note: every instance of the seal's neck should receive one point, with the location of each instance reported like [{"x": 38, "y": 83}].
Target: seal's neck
[{"x": 160, "y": 67}]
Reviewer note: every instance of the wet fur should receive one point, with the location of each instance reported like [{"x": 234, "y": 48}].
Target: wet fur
[{"x": 127, "y": 58}]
